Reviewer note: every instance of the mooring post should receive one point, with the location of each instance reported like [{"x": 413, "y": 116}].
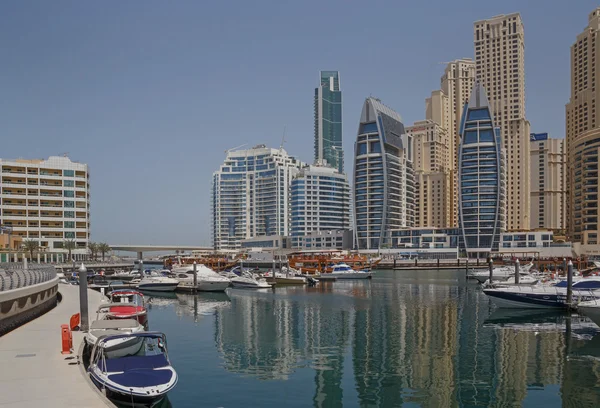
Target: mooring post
[
  {"x": 569, "y": 283},
  {"x": 517, "y": 275},
  {"x": 491, "y": 268},
  {"x": 195, "y": 277},
  {"x": 83, "y": 298}
]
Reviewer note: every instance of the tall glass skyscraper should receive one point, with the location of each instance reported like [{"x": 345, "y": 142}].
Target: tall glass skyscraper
[
  {"x": 328, "y": 121},
  {"x": 482, "y": 178},
  {"x": 383, "y": 176}
]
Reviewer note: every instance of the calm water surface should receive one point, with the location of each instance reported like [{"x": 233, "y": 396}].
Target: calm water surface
[{"x": 403, "y": 339}]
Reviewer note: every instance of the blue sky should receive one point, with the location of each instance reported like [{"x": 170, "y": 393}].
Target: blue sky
[{"x": 151, "y": 93}]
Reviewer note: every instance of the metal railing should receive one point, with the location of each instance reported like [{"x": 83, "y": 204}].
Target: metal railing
[{"x": 18, "y": 275}]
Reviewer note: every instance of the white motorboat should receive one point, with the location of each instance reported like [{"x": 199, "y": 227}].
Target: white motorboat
[
  {"x": 141, "y": 379},
  {"x": 287, "y": 276},
  {"x": 344, "y": 271},
  {"x": 247, "y": 280},
  {"x": 524, "y": 279},
  {"x": 155, "y": 281},
  {"x": 207, "y": 280},
  {"x": 499, "y": 272},
  {"x": 591, "y": 309},
  {"x": 118, "y": 347}
]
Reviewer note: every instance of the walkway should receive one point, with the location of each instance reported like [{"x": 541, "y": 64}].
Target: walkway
[{"x": 35, "y": 373}]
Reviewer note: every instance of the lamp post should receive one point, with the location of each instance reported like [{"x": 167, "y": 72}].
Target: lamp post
[{"x": 83, "y": 298}]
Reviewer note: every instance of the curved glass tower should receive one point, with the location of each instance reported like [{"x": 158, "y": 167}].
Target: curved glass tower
[
  {"x": 383, "y": 176},
  {"x": 482, "y": 178}
]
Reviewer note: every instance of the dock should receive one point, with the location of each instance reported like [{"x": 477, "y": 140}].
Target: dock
[{"x": 35, "y": 373}]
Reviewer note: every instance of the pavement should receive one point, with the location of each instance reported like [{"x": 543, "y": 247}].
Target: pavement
[{"x": 34, "y": 372}]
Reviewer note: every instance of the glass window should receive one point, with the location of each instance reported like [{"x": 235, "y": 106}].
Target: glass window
[
  {"x": 70, "y": 234},
  {"x": 69, "y": 193},
  {"x": 69, "y": 173},
  {"x": 70, "y": 204},
  {"x": 531, "y": 237},
  {"x": 69, "y": 183},
  {"x": 69, "y": 224},
  {"x": 478, "y": 114},
  {"x": 69, "y": 214},
  {"x": 375, "y": 147},
  {"x": 470, "y": 136},
  {"x": 486, "y": 136},
  {"x": 362, "y": 148}
]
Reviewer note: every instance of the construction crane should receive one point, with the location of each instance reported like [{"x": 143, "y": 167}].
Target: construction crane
[{"x": 235, "y": 148}]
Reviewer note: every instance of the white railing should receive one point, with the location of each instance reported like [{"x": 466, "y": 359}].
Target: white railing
[{"x": 18, "y": 275}]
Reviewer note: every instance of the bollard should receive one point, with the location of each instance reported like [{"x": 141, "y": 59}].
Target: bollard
[
  {"x": 195, "y": 277},
  {"x": 491, "y": 268},
  {"x": 564, "y": 268},
  {"x": 438, "y": 263},
  {"x": 569, "y": 283},
  {"x": 467, "y": 266},
  {"x": 517, "y": 274},
  {"x": 66, "y": 339},
  {"x": 83, "y": 298},
  {"x": 394, "y": 262}
]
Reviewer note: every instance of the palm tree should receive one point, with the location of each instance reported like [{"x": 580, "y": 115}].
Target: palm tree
[
  {"x": 103, "y": 248},
  {"x": 93, "y": 248},
  {"x": 31, "y": 246},
  {"x": 69, "y": 245}
]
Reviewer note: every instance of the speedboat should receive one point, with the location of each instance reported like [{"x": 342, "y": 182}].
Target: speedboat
[
  {"x": 140, "y": 379},
  {"x": 499, "y": 272},
  {"x": 248, "y": 280},
  {"x": 287, "y": 276},
  {"x": 119, "y": 347},
  {"x": 207, "y": 280},
  {"x": 343, "y": 271},
  {"x": 524, "y": 279},
  {"x": 125, "y": 304},
  {"x": 591, "y": 309},
  {"x": 544, "y": 296},
  {"x": 155, "y": 281}
]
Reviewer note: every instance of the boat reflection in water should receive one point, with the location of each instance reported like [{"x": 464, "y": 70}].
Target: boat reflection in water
[{"x": 423, "y": 339}]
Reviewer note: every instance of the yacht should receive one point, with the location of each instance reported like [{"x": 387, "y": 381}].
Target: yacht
[
  {"x": 287, "y": 276},
  {"x": 118, "y": 347},
  {"x": 591, "y": 309},
  {"x": 499, "y": 273},
  {"x": 544, "y": 296},
  {"x": 207, "y": 280},
  {"x": 344, "y": 271},
  {"x": 248, "y": 280},
  {"x": 155, "y": 281},
  {"x": 524, "y": 279}
]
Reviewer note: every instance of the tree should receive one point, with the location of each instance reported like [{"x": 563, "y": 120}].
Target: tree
[
  {"x": 69, "y": 245},
  {"x": 103, "y": 248},
  {"x": 31, "y": 246},
  {"x": 93, "y": 248}
]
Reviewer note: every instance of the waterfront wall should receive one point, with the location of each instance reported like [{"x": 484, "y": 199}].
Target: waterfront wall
[{"x": 26, "y": 292}]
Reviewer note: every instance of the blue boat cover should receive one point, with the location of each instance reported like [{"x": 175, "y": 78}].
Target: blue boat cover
[
  {"x": 144, "y": 377},
  {"x": 133, "y": 363}
]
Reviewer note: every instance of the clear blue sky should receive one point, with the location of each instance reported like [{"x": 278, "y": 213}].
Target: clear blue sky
[{"x": 151, "y": 93}]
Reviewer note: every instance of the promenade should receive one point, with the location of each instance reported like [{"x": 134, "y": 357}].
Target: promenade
[{"x": 35, "y": 373}]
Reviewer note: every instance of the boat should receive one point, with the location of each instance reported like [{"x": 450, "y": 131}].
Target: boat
[
  {"x": 207, "y": 280},
  {"x": 287, "y": 276},
  {"x": 591, "y": 309},
  {"x": 524, "y": 279},
  {"x": 248, "y": 280},
  {"x": 344, "y": 271},
  {"x": 119, "y": 347},
  {"x": 324, "y": 261},
  {"x": 141, "y": 379},
  {"x": 215, "y": 262},
  {"x": 544, "y": 296},
  {"x": 499, "y": 272},
  {"x": 155, "y": 281},
  {"x": 125, "y": 304}
]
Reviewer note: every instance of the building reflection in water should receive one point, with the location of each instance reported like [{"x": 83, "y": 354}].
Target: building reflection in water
[{"x": 392, "y": 343}]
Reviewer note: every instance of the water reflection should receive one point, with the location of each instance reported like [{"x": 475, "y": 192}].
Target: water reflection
[{"x": 423, "y": 339}]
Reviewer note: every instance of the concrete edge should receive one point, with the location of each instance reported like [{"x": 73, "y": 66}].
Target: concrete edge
[{"x": 87, "y": 379}]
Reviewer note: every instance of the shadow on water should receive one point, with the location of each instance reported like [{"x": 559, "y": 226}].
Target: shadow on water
[{"x": 404, "y": 338}]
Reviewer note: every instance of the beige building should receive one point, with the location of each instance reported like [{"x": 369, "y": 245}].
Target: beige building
[
  {"x": 583, "y": 139},
  {"x": 433, "y": 174},
  {"x": 548, "y": 183},
  {"x": 445, "y": 107},
  {"x": 500, "y": 66}
]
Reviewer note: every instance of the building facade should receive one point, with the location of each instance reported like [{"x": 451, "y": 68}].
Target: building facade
[
  {"x": 432, "y": 165},
  {"x": 445, "y": 107},
  {"x": 481, "y": 177},
  {"x": 500, "y": 67},
  {"x": 250, "y": 195},
  {"x": 583, "y": 139},
  {"x": 383, "y": 176},
  {"x": 47, "y": 201},
  {"x": 319, "y": 202},
  {"x": 548, "y": 182},
  {"x": 328, "y": 120}
]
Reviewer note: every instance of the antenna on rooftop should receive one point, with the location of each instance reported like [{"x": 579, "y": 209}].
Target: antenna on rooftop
[
  {"x": 235, "y": 148},
  {"x": 283, "y": 138}
]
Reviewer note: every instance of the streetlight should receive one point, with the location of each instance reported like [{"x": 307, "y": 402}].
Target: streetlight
[{"x": 83, "y": 298}]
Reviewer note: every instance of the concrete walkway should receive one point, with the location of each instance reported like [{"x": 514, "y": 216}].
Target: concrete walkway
[{"x": 33, "y": 371}]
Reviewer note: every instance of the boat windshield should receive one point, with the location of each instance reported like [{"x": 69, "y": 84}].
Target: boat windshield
[{"x": 582, "y": 284}]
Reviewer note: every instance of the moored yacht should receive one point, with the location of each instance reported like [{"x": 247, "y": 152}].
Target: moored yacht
[
  {"x": 207, "y": 280},
  {"x": 499, "y": 272},
  {"x": 155, "y": 281},
  {"x": 344, "y": 271},
  {"x": 591, "y": 309},
  {"x": 248, "y": 280}
]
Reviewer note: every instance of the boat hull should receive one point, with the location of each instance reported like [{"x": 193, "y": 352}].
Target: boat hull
[
  {"x": 351, "y": 275},
  {"x": 246, "y": 285},
  {"x": 592, "y": 311},
  {"x": 533, "y": 300},
  {"x": 158, "y": 287},
  {"x": 213, "y": 286}
]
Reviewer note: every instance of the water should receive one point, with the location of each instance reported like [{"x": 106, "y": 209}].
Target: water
[{"x": 410, "y": 339}]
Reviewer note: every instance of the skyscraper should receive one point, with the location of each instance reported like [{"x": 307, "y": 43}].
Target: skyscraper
[
  {"x": 328, "y": 121},
  {"x": 500, "y": 67},
  {"x": 383, "y": 176},
  {"x": 250, "y": 195},
  {"x": 583, "y": 136},
  {"x": 481, "y": 178},
  {"x": 320, "y": 202},
  {"x": 548, "y": 182}
]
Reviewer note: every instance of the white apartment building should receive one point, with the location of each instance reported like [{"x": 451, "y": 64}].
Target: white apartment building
[
  {"x": 250, "y": 195},
  {"x": 432, "y": 165},
  {"x": 47, "y": 201},
  {"x": 320, "y": 202},
  {"x": 500, "y": 67},
  {"x": 548, "y": 182}
]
